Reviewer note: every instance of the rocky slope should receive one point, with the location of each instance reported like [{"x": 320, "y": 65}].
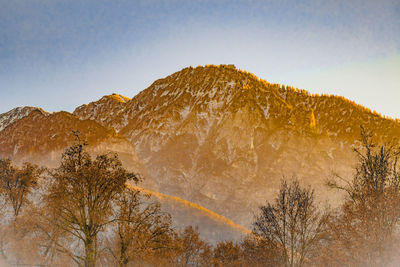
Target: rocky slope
[
  {"x": 223, "y": 138},
  {"x": 216, "y": 136},
  {"x": 16, "y": 114},
  {"x": 41, "y": 137},
  {"x": 108, "y": 111}
]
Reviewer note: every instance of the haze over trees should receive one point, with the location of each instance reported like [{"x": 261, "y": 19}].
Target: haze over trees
[
  {"x": 81, "y": 197},
  {"x": 293, "y": 225},
  {"x": 366, "y": 229},
  {"x": 83, "y": 214},
  {"x": 17, "y": 183},
  {"x": 215, "y": 136}
]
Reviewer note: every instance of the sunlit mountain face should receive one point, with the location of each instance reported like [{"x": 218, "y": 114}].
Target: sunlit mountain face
[{"x": 215, "y": 136}]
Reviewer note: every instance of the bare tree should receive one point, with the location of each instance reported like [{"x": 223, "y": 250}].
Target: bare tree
[
  {"x": 292, "y": 224},
  {"x": 260, "y": 252},
  {"x": 227, "y": 254},
  {"x": 141, "y": 228},
  {"x": 17, "y": 183},
  {"x": 80, "y": 200},
  {"x": 364, "y": 232},
  {"x": 17, "y": 186},
  {"x": 191, "y": 249}
]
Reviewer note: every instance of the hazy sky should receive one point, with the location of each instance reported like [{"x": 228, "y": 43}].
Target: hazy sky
[{"x": 60, "y": 54}]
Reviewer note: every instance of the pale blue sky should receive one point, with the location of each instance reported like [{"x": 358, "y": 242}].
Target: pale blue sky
[{"x": 59, "y": 54}]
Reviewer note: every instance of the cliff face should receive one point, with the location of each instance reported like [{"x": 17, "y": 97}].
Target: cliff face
[{"x": 214, "y": 135}]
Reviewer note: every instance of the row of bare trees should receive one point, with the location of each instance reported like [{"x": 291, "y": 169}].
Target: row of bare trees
[
  {"x": 82, "y": 214},
  {"x": 363, "y": 231}
]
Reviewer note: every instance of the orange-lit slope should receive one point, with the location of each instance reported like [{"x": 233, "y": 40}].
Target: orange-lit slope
[{"x": 216, "y": 221}]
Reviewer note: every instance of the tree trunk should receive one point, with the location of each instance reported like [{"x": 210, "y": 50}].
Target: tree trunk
[
  {"x": 90, "y": 253},
  {"x": 123, "y": 258}
]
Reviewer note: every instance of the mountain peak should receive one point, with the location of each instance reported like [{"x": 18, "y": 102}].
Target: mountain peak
[
  {"x": 15, "y": 114},
  {"x": 118, "y": 98},
  {"x": 108, "y": 109},
  {"x": 207, "y": 78},
  {"x": 215, "y": 93}
]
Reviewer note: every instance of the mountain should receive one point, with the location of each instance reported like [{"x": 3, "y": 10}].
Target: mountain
[
  {"x": 16, "y": 114},
  {"x": 109, "y": 111},
  {"x": 216, "y": 136},
  {"x": 41, "y": 137},
  {"x": 223, "y": 138}
]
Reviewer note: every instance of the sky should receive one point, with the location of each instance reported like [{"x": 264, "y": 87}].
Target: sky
[{"x": 59, "y": 54}]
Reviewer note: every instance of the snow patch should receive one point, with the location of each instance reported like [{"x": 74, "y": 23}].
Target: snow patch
[
  {"x": 330, "y": 153},
  {"x": 160, "y": 86},
  {"x": 214, "y": 104},
  {"x": 185, "y": 112},
  {"x": 231, "y": 84},
  {"x": 124, "y": 121},
  {"x": 164, "y": 93},
  {"x": 275, "y": 146},
  {"x": 16, "y": 147},
  {"x": 266, "y": 111}
]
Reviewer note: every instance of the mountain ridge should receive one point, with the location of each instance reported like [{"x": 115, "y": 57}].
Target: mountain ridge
[
  {"x": 216, "y": 136},
  {"x": 224, "y": 107},
  {"x": 282, "y": 93}
]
